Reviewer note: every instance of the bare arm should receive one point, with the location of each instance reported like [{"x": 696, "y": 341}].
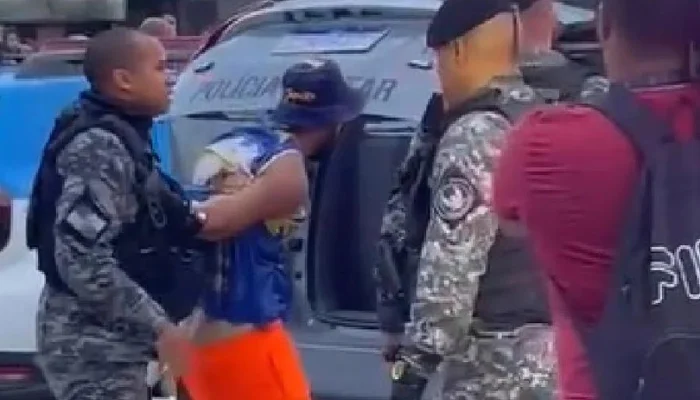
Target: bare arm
[
  {"x": 460, "y": 233},
  {"x": 96, "y": 201},
  {"x": 276, "y": 193}
]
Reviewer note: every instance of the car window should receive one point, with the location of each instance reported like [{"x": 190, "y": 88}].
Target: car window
[
  {"x": 587, "y": 4},
  {"x": 570, "y": 14},
  {"x": 387, "y": 60}
]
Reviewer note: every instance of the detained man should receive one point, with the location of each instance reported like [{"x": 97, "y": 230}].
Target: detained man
[{"x": 260, "y": 191}]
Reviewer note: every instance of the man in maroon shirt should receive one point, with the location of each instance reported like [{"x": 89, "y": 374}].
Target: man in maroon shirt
[{"x": 566, "y": 173}]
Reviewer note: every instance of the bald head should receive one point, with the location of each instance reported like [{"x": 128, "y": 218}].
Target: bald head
[
  {"x": 110, "y": 50},
  {"x": 158, "y": 27}
]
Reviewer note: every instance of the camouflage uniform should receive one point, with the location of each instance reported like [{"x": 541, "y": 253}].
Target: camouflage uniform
[
  {"x": 475, "y": 365},
  {"x": 95, "y": 345}
]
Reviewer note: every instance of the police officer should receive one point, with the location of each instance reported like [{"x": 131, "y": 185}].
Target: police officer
[
  {"x": 98, "y": 321},
  {"x": 473, "y": 312},
  {"x": 553, "y": 75}
]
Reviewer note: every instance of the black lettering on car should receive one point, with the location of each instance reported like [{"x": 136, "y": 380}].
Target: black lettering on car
[
  {"x": 255, "y": 86},
  {"x": 385, "y": 89}
]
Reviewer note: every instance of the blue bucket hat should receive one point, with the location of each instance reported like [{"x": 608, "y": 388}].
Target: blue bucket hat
[{"x": 315, "y": 94}]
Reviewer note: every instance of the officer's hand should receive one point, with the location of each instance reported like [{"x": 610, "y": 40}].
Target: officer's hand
[
  {"x": 408, "y": 382},
  {"x": 181, "y": 214},
  {"x": 391, "y": 346},
  {"x": 174, "y": 350}
]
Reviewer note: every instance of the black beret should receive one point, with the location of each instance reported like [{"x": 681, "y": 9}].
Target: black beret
[
  {"x": 455, "y": 18},
  {"x": 524, "y": 4}
]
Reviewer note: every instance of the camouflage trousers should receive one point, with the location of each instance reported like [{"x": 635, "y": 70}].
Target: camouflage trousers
[
  {"x": 520, "y": 366},
  {"x": 70, "y": 378}
]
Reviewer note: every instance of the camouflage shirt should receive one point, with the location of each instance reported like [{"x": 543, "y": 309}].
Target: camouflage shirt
[
  {"x": 460, "y": 233},
  {"x": 111, "y": 317}
]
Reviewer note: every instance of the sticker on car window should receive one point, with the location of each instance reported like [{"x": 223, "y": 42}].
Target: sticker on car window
[{"x": 333, "y": 41}]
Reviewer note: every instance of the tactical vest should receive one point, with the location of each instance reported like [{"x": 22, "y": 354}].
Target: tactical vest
[
  {"x": 510, "y": 292},
  {"x": 553, "y": 76},
  {"x": 252, "y": 284},
  {"x": 154, "y": 250}
]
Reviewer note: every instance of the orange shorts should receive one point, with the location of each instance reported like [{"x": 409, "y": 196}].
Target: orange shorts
[{"x": 262, "y": 364}]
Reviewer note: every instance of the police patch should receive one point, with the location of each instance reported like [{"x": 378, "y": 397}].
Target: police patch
[
  {"x": 85, "y": 221},
  {"x": 454, "y": 199}
]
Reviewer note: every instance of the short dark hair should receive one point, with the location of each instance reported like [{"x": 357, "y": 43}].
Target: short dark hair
[
  {"x": 655, "y": 24},
  {"x": 107, "y": 51}
]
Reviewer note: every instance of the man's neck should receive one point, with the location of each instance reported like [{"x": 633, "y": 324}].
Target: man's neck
[
  {"x": 530, "y": 45},
  {"x": 474, "y": 84}
]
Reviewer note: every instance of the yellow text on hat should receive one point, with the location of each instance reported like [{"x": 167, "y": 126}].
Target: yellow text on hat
[{"x": 293, "y": 96}]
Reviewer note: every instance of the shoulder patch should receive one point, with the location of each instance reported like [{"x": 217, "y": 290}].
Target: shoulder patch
[
  {"x": 85, "y": 221},
  {"x": 454, "y": 198}
]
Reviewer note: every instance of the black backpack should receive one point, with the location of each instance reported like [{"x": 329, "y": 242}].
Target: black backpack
[{"x": 646, "y": 346}]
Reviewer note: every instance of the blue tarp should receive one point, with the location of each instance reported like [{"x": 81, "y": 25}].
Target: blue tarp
[{"x": 29, "y": 107}]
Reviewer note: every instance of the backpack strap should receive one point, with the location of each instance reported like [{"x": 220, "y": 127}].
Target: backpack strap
[{"x": 635, "y": 120}]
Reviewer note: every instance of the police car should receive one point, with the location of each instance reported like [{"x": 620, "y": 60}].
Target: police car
[{"x": 235, "y": 80}]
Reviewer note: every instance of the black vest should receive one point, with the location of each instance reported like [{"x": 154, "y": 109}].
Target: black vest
[
  {"x": 156, "y": 250},
  {"x": 555, "y": 77},
  {"x": 511, "y": 291}
]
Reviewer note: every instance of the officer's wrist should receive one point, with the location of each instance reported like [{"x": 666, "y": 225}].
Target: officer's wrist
[{"x": 201, "y": 218}]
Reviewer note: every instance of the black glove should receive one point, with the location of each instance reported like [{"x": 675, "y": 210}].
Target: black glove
[
  {"x": 181, "y": 218},
  {"x": 181, "y": 215}
]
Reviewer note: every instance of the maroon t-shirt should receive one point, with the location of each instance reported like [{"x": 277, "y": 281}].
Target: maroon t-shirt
[{"x": 567, "y": 174}]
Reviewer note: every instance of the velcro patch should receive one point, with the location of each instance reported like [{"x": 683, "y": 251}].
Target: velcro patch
[{"x": 86, "y": 221}]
